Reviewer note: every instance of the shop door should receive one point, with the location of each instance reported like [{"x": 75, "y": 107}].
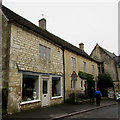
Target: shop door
[{"x": 45, "y": 93}]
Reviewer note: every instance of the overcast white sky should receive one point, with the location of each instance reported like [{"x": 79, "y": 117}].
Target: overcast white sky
[{"x": 89, "y": 22}]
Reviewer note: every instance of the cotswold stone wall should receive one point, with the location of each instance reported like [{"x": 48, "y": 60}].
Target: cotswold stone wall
[
  {"x": 109, "y": 63},
  {"x": 118, "y": 69},
  {"x": 79, "y": 67},
  {"x": 24, "y": 50}
]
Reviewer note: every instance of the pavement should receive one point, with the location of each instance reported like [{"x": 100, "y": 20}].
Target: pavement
[{"x": 59, "y": 111}]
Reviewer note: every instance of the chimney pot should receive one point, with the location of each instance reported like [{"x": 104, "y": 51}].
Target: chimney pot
[
  {"x": 42, "y": 23},
  {"x": 81, "y": 46}
]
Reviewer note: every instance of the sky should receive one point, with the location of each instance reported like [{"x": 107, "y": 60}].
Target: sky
[{"x": 75, "y": 21}]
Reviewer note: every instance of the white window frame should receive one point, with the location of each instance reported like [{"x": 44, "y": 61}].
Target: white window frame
[
  {"x": 73, "y": 84},
  {"x": 32, "y": 101},
  {"x": 61, "y": 87},
  {"x": 82, "y": 84}
]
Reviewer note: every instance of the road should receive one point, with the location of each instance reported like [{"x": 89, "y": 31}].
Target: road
[{"x": 106, "y": 112}]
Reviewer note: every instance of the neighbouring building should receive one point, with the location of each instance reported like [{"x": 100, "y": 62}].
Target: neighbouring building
[
  {"x": 77, "y": 60},
  {"x": 39, "y": 68},
  {"x": 110, "y": 63}
]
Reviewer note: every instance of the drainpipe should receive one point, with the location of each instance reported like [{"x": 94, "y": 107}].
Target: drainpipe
[
  {"x": 64, "y": 71},
  {"x": 8, "y": 34}
]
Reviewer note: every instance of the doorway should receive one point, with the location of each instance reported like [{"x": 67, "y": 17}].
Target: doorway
[{"x": 45, "y": 92}]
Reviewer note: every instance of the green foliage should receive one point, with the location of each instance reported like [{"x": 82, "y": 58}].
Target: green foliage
[
  {"x": 88, "y": 77},
  {"x": 84, "y": 75},
  {"x": 104, "y": 81}
]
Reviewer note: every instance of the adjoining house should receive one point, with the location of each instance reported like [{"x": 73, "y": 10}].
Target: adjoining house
[
  {"x": 110, "y": 63},
  {"x": 39, "y": 68},
  {"x": 76, "y": 62}
]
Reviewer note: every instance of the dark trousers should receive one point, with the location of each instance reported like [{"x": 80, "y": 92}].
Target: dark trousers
[
  {"x": 98, "y": 99},
  {"x": 91, "y": 99}
]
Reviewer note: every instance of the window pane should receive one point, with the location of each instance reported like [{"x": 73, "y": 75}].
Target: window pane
[
  {"x": 41, "y": 51},
  {"x": 48, "y": 53},
  {"x": 30, "y": 88},
  {"x": 93, "y": 68},
  {"x": 73, "y": 83},
  {"x": 102, "y": 68},
  {"x": 84, "y": 66},
  {"x": 44, "y": 86},
  {"x": 73, "y": 62},
  {"x": 81, "y": 83},
  {"x": 56, "y": 86},
  {"x": 44, "y": 52}
]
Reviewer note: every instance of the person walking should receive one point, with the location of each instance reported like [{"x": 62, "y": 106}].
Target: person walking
[
  {"x": 91, "y": 95},
  {"x": 98, "y": 96}
]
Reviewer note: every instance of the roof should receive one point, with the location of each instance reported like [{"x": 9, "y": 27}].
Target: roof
[
  {"x": 117, "y": 59},
  {"x": 111, "y": 55},
  {"x": 11, "y": 16}
]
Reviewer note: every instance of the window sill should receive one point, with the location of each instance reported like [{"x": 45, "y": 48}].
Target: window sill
[
  {"x": 27, "y": 102},
  {"x": 56, "y": 97}
]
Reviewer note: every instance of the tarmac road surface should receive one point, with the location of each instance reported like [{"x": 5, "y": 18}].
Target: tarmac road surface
[{"x": 105, "y": 112}]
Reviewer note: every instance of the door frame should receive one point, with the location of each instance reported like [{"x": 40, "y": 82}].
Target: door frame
[{"x": 46, "y": 78}]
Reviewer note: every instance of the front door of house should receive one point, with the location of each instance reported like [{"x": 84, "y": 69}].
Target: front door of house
[{"x": 45, "y": 92}]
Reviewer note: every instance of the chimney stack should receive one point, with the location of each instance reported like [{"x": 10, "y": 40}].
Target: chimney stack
[
  {"x": 42, "y": 23},
  {"x": 81, "y": 46}
]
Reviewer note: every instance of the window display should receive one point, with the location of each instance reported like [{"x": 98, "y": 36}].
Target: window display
[
  {"x": 30, "y": 87},
  {"x": 56, "y": 86}
]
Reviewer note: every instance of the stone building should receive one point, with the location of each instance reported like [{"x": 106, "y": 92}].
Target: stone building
[
  {"x": 37, "y": 65},
  {"x": 77, "y": 60},
  {"x": 32, "y": 64},
  {"x": 110, "y": 63}
]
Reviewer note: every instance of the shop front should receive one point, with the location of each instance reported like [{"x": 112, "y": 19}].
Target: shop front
[{"x": 40, "y": 90}]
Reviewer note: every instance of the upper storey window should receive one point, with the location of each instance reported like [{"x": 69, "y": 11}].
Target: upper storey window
[
  {"x": 84, "y": 66},
  {"x": 44, "y": 52},
  {"x": 93, "y": 68},
  {"x": 73, "y": 62}
]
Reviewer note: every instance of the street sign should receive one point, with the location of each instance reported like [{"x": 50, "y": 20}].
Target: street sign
[{"x": 74, "y": 75}]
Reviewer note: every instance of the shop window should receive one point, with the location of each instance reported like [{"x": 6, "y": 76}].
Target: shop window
[
  {"x": 30, "y": 88},
  {"x": 56, "y": 86}
]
